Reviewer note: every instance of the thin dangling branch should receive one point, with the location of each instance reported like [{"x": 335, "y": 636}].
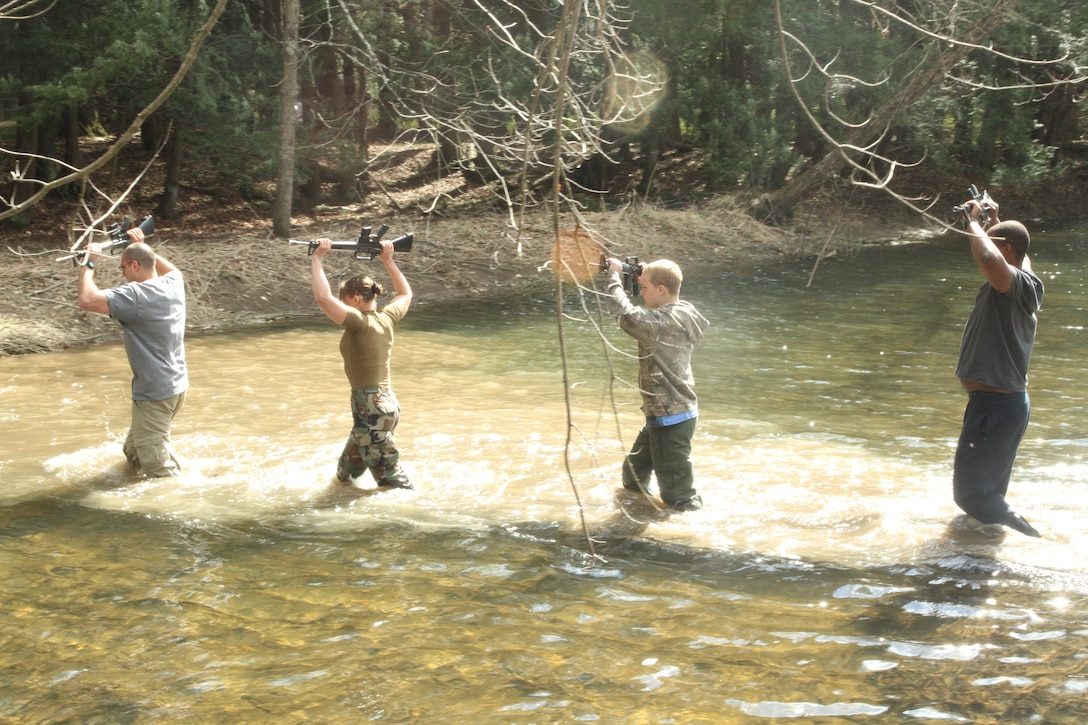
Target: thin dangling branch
[{"x": 564, "y": 39}]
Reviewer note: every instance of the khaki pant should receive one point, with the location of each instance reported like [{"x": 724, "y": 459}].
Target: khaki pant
[{"x": 147, "y": 443}]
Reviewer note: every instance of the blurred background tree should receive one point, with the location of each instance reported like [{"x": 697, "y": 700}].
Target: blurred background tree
[{"x": 770, "y": 98}]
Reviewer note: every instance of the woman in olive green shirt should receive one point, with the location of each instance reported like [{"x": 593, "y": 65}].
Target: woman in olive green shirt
[{"x": 367, "y": 346}]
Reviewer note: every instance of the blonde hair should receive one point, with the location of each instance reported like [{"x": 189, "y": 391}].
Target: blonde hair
[{"x": 664, "y": 272}]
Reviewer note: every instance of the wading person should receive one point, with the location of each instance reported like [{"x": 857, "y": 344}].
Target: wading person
[
  {"x": 150, "y": 308},
  {"x": 993, "y": 369},
  {"x": 667, "y": 330},
  {"x": 367, "y": 346}
]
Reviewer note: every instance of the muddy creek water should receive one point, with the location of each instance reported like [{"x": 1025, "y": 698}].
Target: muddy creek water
[{"x": 830, "y": 578}]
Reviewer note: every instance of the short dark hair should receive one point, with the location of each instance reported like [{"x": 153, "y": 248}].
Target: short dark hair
[{"x": 1011, "y": 232}]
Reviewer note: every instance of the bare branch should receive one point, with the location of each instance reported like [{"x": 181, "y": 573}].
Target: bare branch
[
  {"x": 951, "y": 38},
  {"x": 95, "y": 221},
  {"x": 131, "y": 131},
  {"x": 862, "y": 140},
  {"x": 23, "y": 9}
]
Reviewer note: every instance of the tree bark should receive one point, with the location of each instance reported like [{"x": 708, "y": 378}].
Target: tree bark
[
  {"x": 125, "y": 137},
  {"x": 780, "y": 204},
  {"x": 285, "y": 186},
  {"x": 171, "y": 185}
]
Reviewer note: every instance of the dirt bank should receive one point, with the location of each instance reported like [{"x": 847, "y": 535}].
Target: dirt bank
[
  {"x": 245, "y": 277},
  {"x": 239, "y": 275}
]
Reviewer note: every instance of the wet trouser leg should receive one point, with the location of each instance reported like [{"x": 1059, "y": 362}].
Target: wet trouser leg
[
  {"x": 639, "y": 464},
  {"x": 147, "y": 445},
  {"x": 667, "y": 452},
  {"x": 993, "y": 426},
  {"x": 371, "y": 445}
]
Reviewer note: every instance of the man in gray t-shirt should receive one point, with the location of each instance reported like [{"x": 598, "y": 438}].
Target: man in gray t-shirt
[
  {"x": 993, "y": 369},
  {"x": 151, "y": 310}
]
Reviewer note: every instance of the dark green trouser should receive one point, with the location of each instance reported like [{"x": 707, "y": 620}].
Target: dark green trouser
[{"x": 666, "y": 452}]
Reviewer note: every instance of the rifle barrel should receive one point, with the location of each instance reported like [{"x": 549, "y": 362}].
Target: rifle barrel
[{"x": 360, "y": 248}]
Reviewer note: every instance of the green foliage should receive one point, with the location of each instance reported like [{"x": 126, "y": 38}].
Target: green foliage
[
  {"x": 445, "y": 67},
  {"x": 997, "y": 117},
  {"x": 1036, "y": 164},
  {"x": 226, "y": 103}
]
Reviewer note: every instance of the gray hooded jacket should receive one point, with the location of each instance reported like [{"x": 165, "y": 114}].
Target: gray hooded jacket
[{"x": 666, "y": 337}]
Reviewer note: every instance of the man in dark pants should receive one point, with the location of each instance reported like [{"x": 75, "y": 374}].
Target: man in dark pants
[{"x": 993, "y": 368}]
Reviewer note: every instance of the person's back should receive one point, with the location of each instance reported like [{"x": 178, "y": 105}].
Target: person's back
[
  {"x": 667, "y": 337},
  {"x": 150, "y": 308},
  {"x": 152, "y": 316},
  {"x": 367, "y": 346},
  {"x": 999, "y": 336}
]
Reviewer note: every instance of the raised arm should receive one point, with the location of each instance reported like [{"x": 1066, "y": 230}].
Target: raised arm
[
  {"x": 333, "y": 308},
  {"x": 89, "y": 297},
  {"x": 403, "y": 298},
  {"x": 988, "y": 254},
  {"x": 163, "y": 265}
]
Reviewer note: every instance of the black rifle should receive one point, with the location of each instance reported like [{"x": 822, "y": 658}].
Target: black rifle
[
  {"x": 984, "y": 201},
  {"x": 119, "y": 239},
  {"x": 631, "y": 271},
  {"x": 367, "y": 246}
]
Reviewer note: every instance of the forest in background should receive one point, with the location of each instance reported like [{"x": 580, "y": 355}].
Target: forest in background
[{"x": 533, "y": 100}]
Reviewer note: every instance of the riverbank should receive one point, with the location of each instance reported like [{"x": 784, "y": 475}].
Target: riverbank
[
  {"x": 238, "y": 275},
  {"x": 245, "y": 277}
]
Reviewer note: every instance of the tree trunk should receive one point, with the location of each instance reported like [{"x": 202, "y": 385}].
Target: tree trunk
[
  {"x": 781, "y": 203},
  {"x": 26, "y": 141},
  {"x": 362, "y": 114},
  {"x": 355, "y": 97},
  {"x": 285, "y": 185},
  {"x": 71, "y": 136},
  {"x": 175, "y": 152}
]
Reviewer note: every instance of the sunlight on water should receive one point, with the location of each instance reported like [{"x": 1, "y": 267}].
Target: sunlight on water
[{"x": 829, "y": 578}]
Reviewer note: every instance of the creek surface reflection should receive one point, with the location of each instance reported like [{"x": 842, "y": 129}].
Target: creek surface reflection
[{"x": 829, "y": 579}]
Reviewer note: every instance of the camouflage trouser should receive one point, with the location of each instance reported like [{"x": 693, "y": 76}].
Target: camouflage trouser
[
  {"x": 371, "y": 446},
  {"x": 147, "y": 445}
]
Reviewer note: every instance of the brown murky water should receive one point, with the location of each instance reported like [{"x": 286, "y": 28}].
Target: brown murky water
[{"x": 829, "y": 579}]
